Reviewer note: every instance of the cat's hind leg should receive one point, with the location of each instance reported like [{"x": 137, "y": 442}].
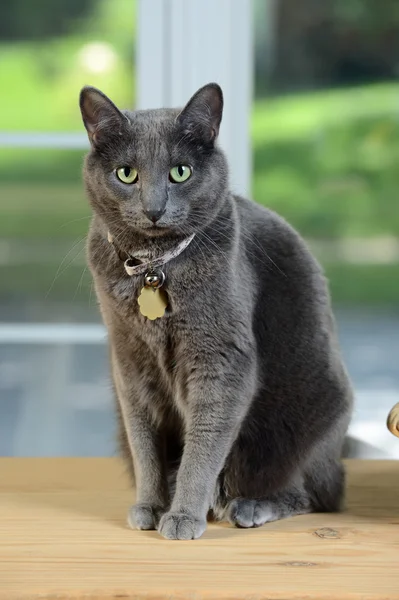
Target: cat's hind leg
[
  {"x": 244, "y": 512},
  {"x": 317, "y": 491}
]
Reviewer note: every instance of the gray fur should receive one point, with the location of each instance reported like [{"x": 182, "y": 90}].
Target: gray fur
[{"x": 236, "y": 401}]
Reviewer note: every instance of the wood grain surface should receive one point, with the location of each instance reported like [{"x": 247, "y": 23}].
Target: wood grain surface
[{"x": 63, "y": 536}]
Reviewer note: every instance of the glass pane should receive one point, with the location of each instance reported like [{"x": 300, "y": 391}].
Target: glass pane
[
  {"x": 54, "y": 383},
  {"x": 43, "y": 225},
  {"x": 325, "y": 129},
  {"x": 326, "y": 153}
]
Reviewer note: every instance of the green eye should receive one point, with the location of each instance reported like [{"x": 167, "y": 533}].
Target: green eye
[
  {"x": 127, "y": 175},
  {"x": 180, "y": 173}
]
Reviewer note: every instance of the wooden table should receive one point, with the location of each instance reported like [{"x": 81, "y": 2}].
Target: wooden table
[{"x": 63, "y": 536}]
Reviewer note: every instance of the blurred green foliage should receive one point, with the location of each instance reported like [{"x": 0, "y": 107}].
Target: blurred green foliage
[
  {"x": 43, "y": 77},
  {"x": 327, "y": 161},
  {"x": 367, "y": 14}
]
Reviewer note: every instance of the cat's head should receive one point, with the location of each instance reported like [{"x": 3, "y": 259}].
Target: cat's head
[{"x": 155, "y": 172}]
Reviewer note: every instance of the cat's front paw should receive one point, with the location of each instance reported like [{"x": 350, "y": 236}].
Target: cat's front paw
[
  {"x": 144, "y": 516},
  {"x": 181, "y": 526}
]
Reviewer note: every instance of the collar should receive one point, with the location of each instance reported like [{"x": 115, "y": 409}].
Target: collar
[{"x": 138, "y": 265}]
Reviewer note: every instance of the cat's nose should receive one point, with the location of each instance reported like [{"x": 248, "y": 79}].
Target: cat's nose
[{"x": 154, "y": 214}]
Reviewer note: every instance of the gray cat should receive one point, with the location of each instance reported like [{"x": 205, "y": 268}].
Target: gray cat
[{"x": 235, "y": 402}]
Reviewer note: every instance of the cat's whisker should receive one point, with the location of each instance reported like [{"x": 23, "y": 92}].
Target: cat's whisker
[
  {"x": 196, "y": 242},
  {"x": 251, "y": 237},
  {"x": 201, "y": 244},
  {"x": 209, "y": 239},
  {"x": 198, "y": 245},
  {"x": 75, "y": 221},
  {"x": 90, "y": 216},
  {"x": 79, "y": 286},
  {"x": 59, "y": 271},
  {"x": 91, "y": 292}
]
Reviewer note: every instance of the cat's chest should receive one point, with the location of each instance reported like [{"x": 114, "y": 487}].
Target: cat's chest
[
  {"x": 127, "y": 308},
  {"x": 156, "y": 347},
  {"x": 139, "y": 304},
  {"x": 133, "y": 299}
]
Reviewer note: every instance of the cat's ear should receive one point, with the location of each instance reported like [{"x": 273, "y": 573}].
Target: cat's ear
[
  {"x": 202, "y": 114},
  {"x": 100, "y": 116}
]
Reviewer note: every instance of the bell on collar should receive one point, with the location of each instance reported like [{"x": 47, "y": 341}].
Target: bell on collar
[{"x": 154, "y": 279}]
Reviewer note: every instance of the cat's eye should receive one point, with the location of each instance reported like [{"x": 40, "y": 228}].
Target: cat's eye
[
  {"x": 127, "y": 175},
  {"x": 180, "y": 173}
]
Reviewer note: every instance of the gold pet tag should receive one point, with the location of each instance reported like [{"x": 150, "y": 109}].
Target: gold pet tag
[{"x": 152, "y": 302}]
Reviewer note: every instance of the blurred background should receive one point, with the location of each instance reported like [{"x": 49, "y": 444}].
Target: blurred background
[{"x": 319, "y": 130}]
